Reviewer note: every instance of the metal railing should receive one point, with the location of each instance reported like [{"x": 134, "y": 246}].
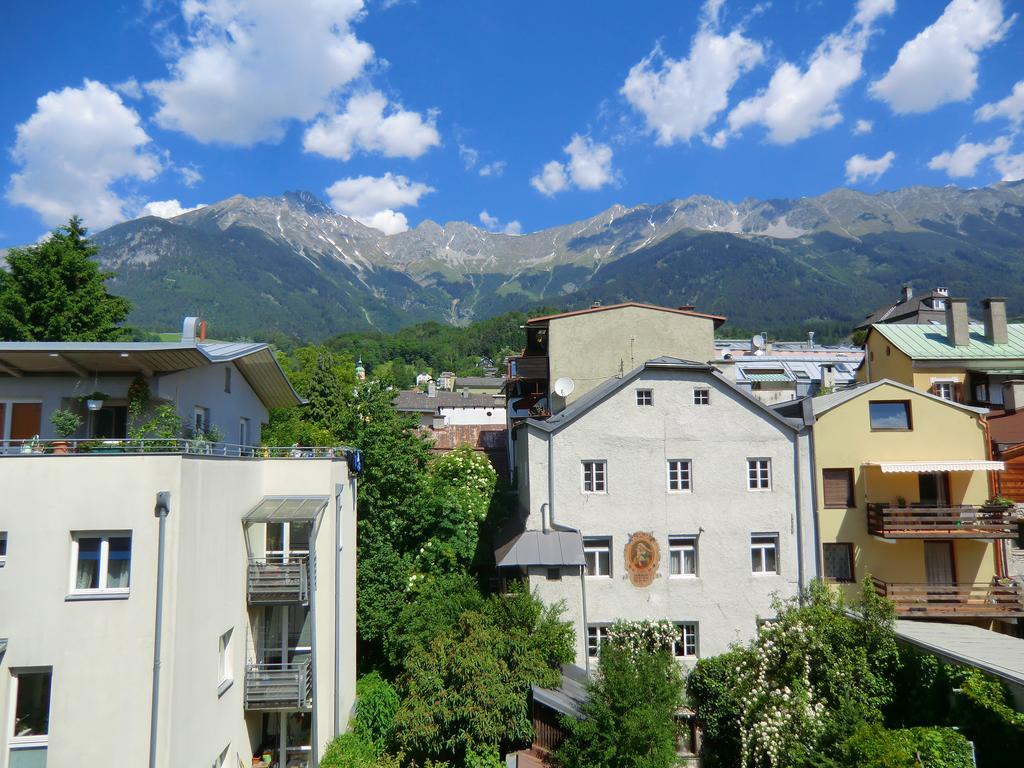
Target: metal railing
[
  {"x": 278, "y": 583},
  {"x": 169, "y": 446},
  {"x": 964, "y": 521},
  {"x": 954, "y": 600},
  {"x": 279, "y": 686}
]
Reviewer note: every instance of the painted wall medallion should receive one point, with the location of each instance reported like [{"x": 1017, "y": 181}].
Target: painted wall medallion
[{"x": 642, "y": 559}]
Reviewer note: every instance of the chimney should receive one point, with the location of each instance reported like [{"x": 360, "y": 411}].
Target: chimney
[
  {"x": 465, "y": 393},
  {"x": 1013, "y": 395},
  {"x": 957, "y": 331},
  {"x": 810, "y": 339},
  {"x": 431, "y": 388},
  {"x": 994, "y": 314},
  {"x": 193, "y": 330},
  {"x": 828, "y": 376},
  {"x": 906, "y": 293}
]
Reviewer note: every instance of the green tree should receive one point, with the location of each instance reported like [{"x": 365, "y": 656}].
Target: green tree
[
  {"x": 54, "y": 291},
  {"x": 629, "y": 719}
]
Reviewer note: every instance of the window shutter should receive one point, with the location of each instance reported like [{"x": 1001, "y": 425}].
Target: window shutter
[
  {"x": 958, "y": 392},
  {"x": 837, "y": 486}
]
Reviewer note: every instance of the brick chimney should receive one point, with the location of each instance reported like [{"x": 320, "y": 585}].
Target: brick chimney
[
  {"x": 1013, "y": 395},
  {"x": 958, "y": 332},
  {"x": 994, "y": 315}
]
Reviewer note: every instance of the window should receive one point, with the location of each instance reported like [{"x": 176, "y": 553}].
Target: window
[
  {"x": 981, "y": 393},
  {"x": 644, "y": 397},
  {"x": 686, "y": 643},
  {"x": 596, "y": 634},
  {"x": 597, "y": 551},
  {"x": 3, "y": 548},
  {"x": 224, "y": 667},
  {"x": 679, "y": 475},
  {"x": 702, "y": 397},
  {"x": 838, "y": 559},
  {"x": 764, "y": 553},
  {"x": 890, "y": 414},
  {"x": 554, "y": 574},
  {"x": 944, "y": 389},
  {"x": 759, "y": 474},
  {"x": 227, "y": 380},
  {"x": 201, "y": 420},
  {"x": 682, "y": 556},
  {"x": 100, "y": 563},
  {"x": 594, "y": 473},
  {"x": 30, "y": 731},
  {"x": 837, "y": 486}
]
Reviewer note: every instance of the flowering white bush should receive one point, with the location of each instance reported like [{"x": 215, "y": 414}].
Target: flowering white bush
[{"x": 639, "y": 636}]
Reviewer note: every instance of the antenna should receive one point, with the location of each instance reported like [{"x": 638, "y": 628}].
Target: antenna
[
  {"x": 758, "y": 341},
  {"x": 564, "y": 386}
]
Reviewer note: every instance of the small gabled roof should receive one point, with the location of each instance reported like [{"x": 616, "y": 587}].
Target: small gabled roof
[
  {"x": 718, "y": 319},
  {"x": 607, "y": 388},
  {"x": 541, "y": 548},
  {"x": 930, "y": 342},
  {"x": 825, "y": 403}
]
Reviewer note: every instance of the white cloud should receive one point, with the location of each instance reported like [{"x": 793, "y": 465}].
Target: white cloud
[
  {"x": 964, "y": 160},
  {"x": 861, "y": 167},
  {"x": 863, "y": 126},
  {"x": 679, "y": 98},
  {"x": 940, "y": 65},
  {"x": 1012, "y": 107},
  {"x": 130, "y": 88},
  {"x": 167, "y": 209},
  {"x": 493, "y": 169},
  {"x": 1010, "y": 166},
  {"x": 373, "y": 200},
  {"x": 798, "y": 103},
  {"x": 551, "y": 180},
  {"x": 589, "y": 167},
  {"x": 493, "y": 224},
  {"x": 364, "y": 126},
  {"x": 247, "y": 67},
  {"x": 469, "y": 156},
  {"x": 73, "y": 150},
  {"x": 190, "y": 175}
]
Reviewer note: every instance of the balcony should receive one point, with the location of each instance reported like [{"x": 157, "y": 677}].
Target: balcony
[
  {"x": 278, "y": 583},
  {"x": 950, "y": 522},
  {"x": 162, "y": 446},
  {"x": 279, "y": 686},
  {"x": 531, "y": 367},
  {"x": 969, "y": 601}
]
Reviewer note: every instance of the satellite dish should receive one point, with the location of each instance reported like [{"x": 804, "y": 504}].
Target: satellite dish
[
  {"x": 757, "y": 341},
  {"x": 564, "y": 386}
]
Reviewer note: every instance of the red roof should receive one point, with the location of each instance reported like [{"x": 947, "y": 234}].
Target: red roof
[
  {"x": 718, "y": 319},
  {"x": 1006, "y": 428}
]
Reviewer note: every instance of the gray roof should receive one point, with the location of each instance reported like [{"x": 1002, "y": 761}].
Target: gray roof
[
  {"x": 286, "y": 509},
  {"x": 554, "y": 548},
  {"x": 612, "y": 385},
  {"x": 993, "y": 652},
  {"x": 419, "y": 402},
  {"x": 497, "y": 382},
  {"x": 570, "y": 695},
  {"x": 824, "y": 403},
  {"x": 918, "y": 304},
  {"x": 255, "y": 361}
]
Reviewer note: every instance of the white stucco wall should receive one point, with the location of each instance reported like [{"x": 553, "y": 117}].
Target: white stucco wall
[
  {"x": 101, "y": 651},
  {"x": 726, "y": 599},
  {"x": 490, "y": 415}
]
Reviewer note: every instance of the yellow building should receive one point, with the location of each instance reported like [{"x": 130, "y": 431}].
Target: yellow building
[{"x": 901, "y": 481}]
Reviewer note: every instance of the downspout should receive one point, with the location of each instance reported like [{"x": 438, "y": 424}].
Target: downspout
[
  {"x": 995, "y": 487},
  {"x": 799, "y": 514},
  {"x": 314, "y": 744},
  {"x": 337, "y": 600},
  {"x": 163, "y": 509},
  {"x": 556, "y": 527}
]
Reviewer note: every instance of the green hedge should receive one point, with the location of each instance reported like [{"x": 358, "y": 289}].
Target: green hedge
[{"x": 873, "y": 746}]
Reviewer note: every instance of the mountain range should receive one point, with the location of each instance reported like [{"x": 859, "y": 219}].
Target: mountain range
[{"x": 291, "y": 264}]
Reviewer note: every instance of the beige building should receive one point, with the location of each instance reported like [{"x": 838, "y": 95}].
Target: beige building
[{"x": 173, "y": 602}]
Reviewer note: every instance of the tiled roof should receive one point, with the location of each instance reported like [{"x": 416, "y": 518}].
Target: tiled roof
[
  {"x": 537, "y": 320},
  {"x": 929, "y": 342},
  {"x": 420, "y": 402}
]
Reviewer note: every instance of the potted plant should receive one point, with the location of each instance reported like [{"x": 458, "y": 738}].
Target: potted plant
[
  {"x": 65, "y": 423},
  {"x": 94, "y": 400},
  {"x": 901, "y": 501}
]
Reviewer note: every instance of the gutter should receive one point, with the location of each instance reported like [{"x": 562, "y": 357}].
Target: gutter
[{"x": 163, "y": 509}]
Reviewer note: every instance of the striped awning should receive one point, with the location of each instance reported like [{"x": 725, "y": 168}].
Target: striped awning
[{"x": 962, "y": 465}]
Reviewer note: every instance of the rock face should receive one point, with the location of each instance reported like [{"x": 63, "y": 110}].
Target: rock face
[{"x": 292, "y": 264}]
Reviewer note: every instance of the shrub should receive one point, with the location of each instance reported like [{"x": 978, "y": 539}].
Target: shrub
[
  {"x": 376, "y": 704},
  {"x": 872, "y": 746}
]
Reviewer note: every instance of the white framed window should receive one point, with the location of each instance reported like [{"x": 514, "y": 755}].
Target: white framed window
[
  {"x": 702, "y": 396},
  {"x": 644, "y": 397},
  {"x": 595, "y": 475},
  {"x": 685, "y": 644},
  {"x": 679, "y": 475},
  {"x": 200, "y": 419},
  {"x": 3, "y": 548},
  {"x": 225, "y": 675},
  {"x": 596, "y": 634},
  {"x": 101, "y": 563},
  {"x": 944, "y": 389},
  {"x": 597, "y": 551},
  {"x": 759, "y": 474},
  {"x": 682, "y": 556},
  {"x": 981, "y": 393},
  {"x": 28, "y": 732},
  {"x": 764, "y": 553}
]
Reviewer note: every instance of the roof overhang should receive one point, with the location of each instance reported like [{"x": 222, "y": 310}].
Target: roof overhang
[
  {"x": 993, "y": 652},
  {"x": 952, "y": 465},
  {"x": 540, "y": 548},
  {"x": 286, "y": 509}
]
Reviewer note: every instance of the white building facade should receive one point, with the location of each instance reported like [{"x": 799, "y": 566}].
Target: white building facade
[{"x": 691, "y": 498}]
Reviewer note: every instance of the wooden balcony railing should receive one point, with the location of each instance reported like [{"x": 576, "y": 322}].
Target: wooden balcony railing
[
  {"x": 963, "y": 522},
  {"x": 279, "y": 686},
  {"x": 277, "y": 583},
  {"x": 954, "y": 600}
]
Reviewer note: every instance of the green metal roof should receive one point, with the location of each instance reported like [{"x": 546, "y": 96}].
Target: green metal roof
[{"x": 929, "y": 342}]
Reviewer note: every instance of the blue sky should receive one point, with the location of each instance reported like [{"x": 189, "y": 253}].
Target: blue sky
[{"x": 510, "y": 115}]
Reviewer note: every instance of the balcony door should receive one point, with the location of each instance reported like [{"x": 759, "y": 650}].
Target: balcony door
[
  {"x": 933, "y": 489},
  {"x": 287, "y": 542},
  {"x": 287, "y": 635},
  {"x": 938, "y": 563}
]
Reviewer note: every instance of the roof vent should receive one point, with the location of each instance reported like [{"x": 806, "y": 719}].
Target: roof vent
[
  {"x": 942, "y": 291},
  {"x": 193, "y": 330}
]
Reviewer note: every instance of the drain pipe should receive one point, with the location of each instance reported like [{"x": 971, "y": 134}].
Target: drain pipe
[
  {"x": 339, "y": 491},
  {"x": 550, "y": 504},
  {"x": 163, "y": 509}
]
